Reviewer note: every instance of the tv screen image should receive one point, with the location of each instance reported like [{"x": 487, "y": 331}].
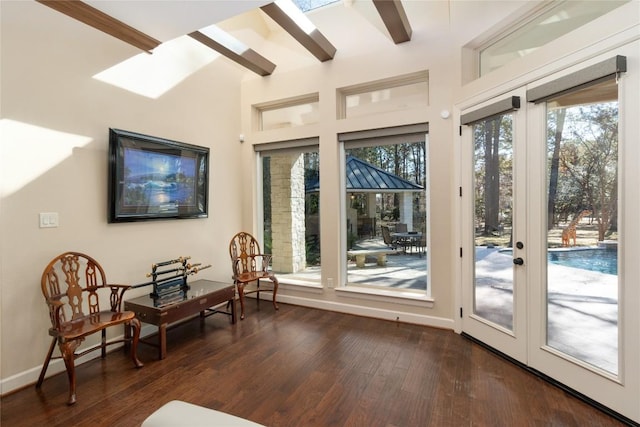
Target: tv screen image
[
  {"x": 159, "y": 180},
  {"x": 155, "y": 178}
]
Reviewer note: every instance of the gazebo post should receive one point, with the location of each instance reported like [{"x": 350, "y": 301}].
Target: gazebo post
[{"x": 406, "y": 209}]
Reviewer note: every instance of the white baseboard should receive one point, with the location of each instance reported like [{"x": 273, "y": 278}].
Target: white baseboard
[{"x": 359, "y": 310}]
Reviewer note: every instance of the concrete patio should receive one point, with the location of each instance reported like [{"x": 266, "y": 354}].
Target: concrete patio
[
  {"x": 582, "y": 307},
  {"x": 402, "y": 270}
]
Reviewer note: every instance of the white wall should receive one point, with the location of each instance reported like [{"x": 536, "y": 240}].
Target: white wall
[{"x": 55, "y": 122}]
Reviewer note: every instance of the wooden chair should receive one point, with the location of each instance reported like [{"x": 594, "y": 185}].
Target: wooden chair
[
  {"x": 82, "y": 279},
  {"x": 250, "y": 265}
]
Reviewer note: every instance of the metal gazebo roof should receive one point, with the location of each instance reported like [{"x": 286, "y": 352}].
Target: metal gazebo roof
[{"x": 363, "y": 176}]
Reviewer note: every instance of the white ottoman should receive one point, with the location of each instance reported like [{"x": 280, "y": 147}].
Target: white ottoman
[{"x": 177, "y": 414}]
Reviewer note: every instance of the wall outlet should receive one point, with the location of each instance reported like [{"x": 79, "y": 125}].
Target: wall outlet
[
  {"x": 48, "y": 219},
  {"x": 330, "y": 283}
]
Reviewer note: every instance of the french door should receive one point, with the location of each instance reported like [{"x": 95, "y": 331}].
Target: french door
[
  {"x": 494, "y": 215},
  {"x": 547, "y": 184}
]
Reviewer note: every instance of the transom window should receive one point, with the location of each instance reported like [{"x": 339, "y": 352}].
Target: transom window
[{"x": 540, "y": 27}]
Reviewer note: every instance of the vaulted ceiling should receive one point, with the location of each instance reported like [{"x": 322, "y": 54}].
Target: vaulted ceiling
[{"x": 147, "y": 24}]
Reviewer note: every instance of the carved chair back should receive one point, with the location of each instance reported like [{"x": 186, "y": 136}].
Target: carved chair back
[
  {"x": 71, "y": 284},
  {"x": 244, "y": 251}
]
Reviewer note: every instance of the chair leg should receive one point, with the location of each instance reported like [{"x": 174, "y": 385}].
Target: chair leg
[
  {"x": 275, "y": 291},
  {"x": 136, "y": 326},
  {"x": 68, "y": 349},
  {"x": 258, "y": 294},
  {"x": 45, "y": 365},
  {"x": 241, "y": 297}
]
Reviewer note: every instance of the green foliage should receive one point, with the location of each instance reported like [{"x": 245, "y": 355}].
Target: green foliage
[
  {"x": 266, "y": 189},
  {"x": 268, "y": 245},
  {"x": 588, "y": 164},
  {"x": 352, "y": 238},
  {"x": 313, "y": 250},
  {"x": 493, "y": 163}
]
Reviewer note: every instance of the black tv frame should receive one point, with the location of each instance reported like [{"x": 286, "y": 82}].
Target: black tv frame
[{"x": 152, "y": 178}]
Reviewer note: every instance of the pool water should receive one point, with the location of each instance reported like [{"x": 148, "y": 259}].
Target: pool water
[{"x": 601, "y": 260}]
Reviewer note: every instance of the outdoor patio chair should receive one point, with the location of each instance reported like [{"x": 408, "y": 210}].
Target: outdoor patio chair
[
  {"x": 386, "y": 237},
  {"x": 85, "y": 280},
  {"x": 249, "y": 266}
]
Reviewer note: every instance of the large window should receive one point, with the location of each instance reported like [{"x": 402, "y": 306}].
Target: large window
[
  {"x": 290, "y": 210},
  {"x": 386, "y": 208}
]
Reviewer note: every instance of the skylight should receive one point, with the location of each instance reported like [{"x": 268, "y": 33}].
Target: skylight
[{"x": 307, "y": 5}]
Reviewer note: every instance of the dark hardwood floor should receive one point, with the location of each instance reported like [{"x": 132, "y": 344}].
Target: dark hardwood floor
[{"x": 305, "y": 367}]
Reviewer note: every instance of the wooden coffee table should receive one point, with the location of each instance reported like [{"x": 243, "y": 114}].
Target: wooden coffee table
[{"x": 201, "y": 298}]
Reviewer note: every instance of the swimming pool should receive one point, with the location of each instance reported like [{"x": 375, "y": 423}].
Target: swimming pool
[{"x": 601, "y": 260}]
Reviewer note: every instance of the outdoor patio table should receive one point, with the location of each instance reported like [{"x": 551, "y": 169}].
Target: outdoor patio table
[{"x": 410, "y": 238}]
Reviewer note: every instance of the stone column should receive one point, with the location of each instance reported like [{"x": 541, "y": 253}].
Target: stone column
[{"x": 287, "y": 213}]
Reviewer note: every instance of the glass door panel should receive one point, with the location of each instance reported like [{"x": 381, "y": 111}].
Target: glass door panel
[
  {"x": 493, "y": 225},
  {"x": 494, "y": 214},
  {"x": 582, "y": 236}
]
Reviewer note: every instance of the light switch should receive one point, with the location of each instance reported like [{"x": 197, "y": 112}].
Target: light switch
[{"x": 48, "y": 219}]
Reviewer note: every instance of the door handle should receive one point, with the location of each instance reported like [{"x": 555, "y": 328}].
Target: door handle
[{"x": 518, "y": 261}]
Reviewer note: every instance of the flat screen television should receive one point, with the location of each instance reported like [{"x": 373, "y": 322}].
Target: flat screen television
[{"x": 153, "y": 178}]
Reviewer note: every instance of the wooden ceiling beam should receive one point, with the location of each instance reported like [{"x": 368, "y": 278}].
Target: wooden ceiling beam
[
  {"x": 395, "y": 19},
  {"x": 103, "y": 22},
  {"x": 249, "y": 58},
  {"x": 314, "y": 41}
]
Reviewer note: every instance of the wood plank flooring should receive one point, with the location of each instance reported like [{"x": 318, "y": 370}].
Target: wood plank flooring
[{"x": 305, "y": 367}]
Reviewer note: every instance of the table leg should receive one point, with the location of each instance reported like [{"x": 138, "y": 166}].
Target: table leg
[
  {"x": 232, "y": 302},
  {"x": 162, "y": 340}
]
